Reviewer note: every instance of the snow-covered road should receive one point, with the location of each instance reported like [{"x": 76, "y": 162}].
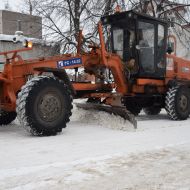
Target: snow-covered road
[{"x": 89, "y": 156}]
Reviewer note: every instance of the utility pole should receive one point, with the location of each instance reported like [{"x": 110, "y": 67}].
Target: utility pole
[{"x": 30, "y": 7}]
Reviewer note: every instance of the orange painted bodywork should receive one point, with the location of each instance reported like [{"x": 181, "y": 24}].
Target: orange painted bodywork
[
  {"x": 17, "y": 71},
  {"x": 177, "y": 68},
  {"x": 91, "y": 87}
]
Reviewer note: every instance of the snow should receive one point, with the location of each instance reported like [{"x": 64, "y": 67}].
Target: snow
[
  {"x": 9, "y": 38},
  {"x": 97, "y": 152},
  {"x": 101, "y": 119}
]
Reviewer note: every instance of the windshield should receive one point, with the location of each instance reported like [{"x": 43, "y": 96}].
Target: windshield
[
  {"x": 118, "y": 35},
  {"x": 146, "y": 45}
]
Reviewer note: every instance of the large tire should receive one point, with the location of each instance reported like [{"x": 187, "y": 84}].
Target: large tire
[
  {"x": 44, "y": 106},
  {"x": 177, "y": 102},
  {"x": 7, "y": 117},
  {"x": 153, "y": 110}
]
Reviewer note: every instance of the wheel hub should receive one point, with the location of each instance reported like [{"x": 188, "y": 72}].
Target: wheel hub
[
  {"x": 49, "y": 107},
  {"x": 183, "y": 103}
]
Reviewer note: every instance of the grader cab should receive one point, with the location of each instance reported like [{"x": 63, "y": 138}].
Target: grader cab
[
  {"x": 141, "y": 41},
  {"x": 132, "y": 71}
]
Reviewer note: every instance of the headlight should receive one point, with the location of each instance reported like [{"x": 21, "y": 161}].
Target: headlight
[{"x": 27, "y": 44}]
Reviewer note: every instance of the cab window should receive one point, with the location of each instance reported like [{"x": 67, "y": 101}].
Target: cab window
[
  {"x": 118, "y": 43},
  {"x": 146, "y": 32},
  {"x": 161, "y": 47}
]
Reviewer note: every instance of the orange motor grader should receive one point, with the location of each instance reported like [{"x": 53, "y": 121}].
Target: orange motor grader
[{"x": 134, "y": 70}]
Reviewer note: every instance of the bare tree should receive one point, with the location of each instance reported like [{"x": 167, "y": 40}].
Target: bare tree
[
  {"x": 176, "y": 12},
  {"x": 62, "y": 19},
  {"x": 29, "y": 6}
]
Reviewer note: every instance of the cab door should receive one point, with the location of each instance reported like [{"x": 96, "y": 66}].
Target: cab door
[
  {"x": 161, "y": 47},
  {"x": 146, "y": 48},
  {"x": 151, "y": 49}
]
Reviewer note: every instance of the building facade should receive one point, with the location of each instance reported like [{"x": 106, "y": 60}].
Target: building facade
[{"x": 30, "y": 25}]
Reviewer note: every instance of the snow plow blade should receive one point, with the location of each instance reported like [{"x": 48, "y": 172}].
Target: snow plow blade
[{"x": 116, "y": 110}]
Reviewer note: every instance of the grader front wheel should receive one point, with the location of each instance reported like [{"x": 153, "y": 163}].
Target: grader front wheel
[
  {"x": 44, "y": 106},
  {"x": 177, "y": 103}
]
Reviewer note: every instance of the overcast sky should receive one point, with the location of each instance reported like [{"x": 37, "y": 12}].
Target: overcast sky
[{"x": 14, "y": 4}]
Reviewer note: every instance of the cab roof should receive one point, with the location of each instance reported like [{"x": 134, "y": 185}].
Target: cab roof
[{"x": 121, "y": 16}]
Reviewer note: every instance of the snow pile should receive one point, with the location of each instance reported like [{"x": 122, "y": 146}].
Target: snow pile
[{"x": 101, "y": 119}]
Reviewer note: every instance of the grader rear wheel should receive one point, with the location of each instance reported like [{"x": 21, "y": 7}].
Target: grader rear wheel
[
  {"x": 177, "y": 103},
  {"x": 44, "y": 106},
  {"x": 7, "y": 117}
]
